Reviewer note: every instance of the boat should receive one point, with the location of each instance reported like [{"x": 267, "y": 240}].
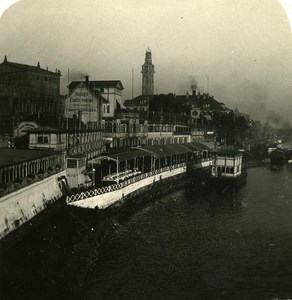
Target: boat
[
  {"x": 278, "y": 156},
  {"x": 227, "y": 168}
]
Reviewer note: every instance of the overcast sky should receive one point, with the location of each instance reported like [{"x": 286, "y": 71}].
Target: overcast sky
[{"x": 244, "y": 47}]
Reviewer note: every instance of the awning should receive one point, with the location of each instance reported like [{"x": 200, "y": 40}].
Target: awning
[
  {"x": 123, "y": 156},
  {"x": 159, "y": 151}
]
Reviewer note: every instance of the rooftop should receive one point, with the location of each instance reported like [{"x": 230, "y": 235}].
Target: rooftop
[
  {"x": 5, "y": 65},
  {"x": 9, "y": 156},
  {"x": 159, "y": 151},
  {"x": 98, "y": 84},
  {"x": 142, "y": 100}
]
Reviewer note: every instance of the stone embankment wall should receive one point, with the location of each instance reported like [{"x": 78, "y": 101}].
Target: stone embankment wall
[{"x": 20, "y": 206}]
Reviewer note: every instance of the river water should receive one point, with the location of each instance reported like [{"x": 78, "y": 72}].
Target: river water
[
  {"x": 200, "y": 244},
  {"x": 194, "y": 243}
]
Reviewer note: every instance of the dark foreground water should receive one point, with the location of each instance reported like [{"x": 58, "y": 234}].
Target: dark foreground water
[
  {"x": 197, "y": 244},
  {"x": 191, "y": 244}
]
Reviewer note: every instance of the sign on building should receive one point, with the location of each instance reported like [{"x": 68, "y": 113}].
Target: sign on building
[{"x": 82, "y": 104}]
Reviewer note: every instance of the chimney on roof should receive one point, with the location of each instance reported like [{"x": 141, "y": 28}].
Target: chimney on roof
[
  {"x": 5, "y": 58},
  {"x": 187, "y": 95},
  {"x": 86, "y": 78},
  {"x": 38, "y": 64}
]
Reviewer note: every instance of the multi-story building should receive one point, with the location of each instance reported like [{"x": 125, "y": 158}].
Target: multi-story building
[
  {"x": 30, "y": 93},
  {"x": 163, "y": 134},
  {"x": 125, "y": 130},
  {"x": 148, "y": 74},
  {"x": 111, "y": 90},
  {"x": 88, "y": 142},
  {"x": 85, "y": 107},
  {"x": 90, "y": 101}
]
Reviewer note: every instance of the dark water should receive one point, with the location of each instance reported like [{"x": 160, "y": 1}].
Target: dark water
[
  {"x": 197, "y": 244},
  {"x": 191, "y": 244}
]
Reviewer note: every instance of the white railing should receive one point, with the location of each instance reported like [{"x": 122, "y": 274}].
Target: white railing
[{"x": 117, "y": 186}]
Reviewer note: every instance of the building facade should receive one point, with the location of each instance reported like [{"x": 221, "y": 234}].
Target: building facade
[
  {"x": 148, "y": 74},
  {"x": 124, "y": 130},
  {"x": 110, "y": 90},
  {"x": 85, "y": 105},
  {"x": 29, "y": 93}
]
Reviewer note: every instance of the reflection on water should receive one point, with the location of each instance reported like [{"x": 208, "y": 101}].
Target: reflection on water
[{"x": 204, "y": 244}]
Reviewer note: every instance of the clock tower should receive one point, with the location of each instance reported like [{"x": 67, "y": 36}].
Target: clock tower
[{"x": 148, "y": 74}]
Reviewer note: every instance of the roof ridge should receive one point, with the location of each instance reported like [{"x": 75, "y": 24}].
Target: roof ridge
[{"x": 26, "y": 66}]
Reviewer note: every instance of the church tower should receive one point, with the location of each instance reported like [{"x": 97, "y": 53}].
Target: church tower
[{"x": 148, "y": 74}]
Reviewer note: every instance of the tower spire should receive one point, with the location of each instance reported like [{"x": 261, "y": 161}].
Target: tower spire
[{"x": 148, "y": 74}]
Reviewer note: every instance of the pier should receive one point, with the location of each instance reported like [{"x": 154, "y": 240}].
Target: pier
[{"x": 137, "y": 169}]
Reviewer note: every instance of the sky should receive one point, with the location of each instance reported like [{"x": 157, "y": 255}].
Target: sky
[{"x": 240, "y": 51}]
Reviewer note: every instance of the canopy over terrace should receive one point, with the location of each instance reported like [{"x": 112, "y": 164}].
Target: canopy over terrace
[{"x": 149, "y": 158}]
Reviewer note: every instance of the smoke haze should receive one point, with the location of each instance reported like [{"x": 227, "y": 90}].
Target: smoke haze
[{"x": 239, "y": 51}]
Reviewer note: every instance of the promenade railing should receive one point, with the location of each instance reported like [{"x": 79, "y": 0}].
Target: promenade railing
[{"x": 117, "y": 186}]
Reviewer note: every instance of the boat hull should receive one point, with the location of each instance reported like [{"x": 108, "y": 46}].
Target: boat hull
[{"x": 223, "y": 181}]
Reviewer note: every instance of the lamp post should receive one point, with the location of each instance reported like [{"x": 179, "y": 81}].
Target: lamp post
[{"x": 93, "y": 177}]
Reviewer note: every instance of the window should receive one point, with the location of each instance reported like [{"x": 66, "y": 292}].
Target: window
[
  {"x": 108, "y": 109},
  {"x": 43, "y": 139},
  {"x": 72, "y": 163},
  {"x": 59, "y": 138}
]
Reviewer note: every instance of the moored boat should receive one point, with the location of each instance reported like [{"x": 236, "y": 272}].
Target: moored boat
[
  {"x": 278, "y": 156},
  {"x": 227, "y": 168}
]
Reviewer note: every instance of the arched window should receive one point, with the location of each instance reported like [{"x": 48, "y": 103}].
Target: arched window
[{"x": 108, "y": 109}]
